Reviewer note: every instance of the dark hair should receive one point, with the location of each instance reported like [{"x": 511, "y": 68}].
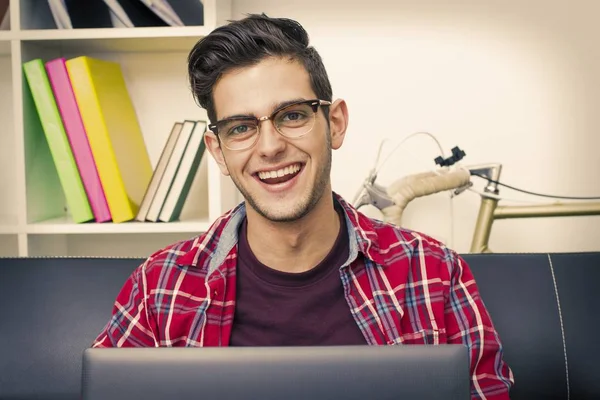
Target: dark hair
[{"x": 247, "y": 42}]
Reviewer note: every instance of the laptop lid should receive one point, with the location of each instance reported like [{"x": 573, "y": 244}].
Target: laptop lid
[{"x": 423, "y": 372}]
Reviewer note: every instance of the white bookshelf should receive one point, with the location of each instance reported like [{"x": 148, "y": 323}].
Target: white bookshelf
[{"x": 34, "y": 219}]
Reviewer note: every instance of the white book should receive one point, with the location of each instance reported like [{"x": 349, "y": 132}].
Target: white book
[
  {"x": 159, "y": 172},
  {"x": 60, "y": 14},
  {"x": 164, "y": 11},
  {"x": 185, "y": 175},
  {"x": 170, "y": 170},
  {"x": 118, "y": 16}
]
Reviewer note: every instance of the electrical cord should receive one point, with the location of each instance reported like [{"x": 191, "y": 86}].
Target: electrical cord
[
  {"x": 534, "y": 193},
  {"x": 503, "y": 198},
  {"x": 379, "y": 165}
]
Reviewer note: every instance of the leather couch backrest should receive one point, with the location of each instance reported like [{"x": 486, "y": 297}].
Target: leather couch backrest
[
  {"x": 544, "y": 309},
  {"x": 578, "y": 282},
  {"x": 53, "y": 308}
]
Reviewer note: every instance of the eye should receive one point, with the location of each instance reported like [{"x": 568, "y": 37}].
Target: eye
[
  {"x": 239, "y": 129},
  {"x": 293, "y": 116}
]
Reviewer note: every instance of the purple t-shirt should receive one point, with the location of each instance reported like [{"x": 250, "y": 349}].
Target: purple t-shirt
[{"x": 275, "y": 308}]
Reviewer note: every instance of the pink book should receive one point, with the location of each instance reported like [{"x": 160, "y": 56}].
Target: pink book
[{"x": 69, "y": 112}]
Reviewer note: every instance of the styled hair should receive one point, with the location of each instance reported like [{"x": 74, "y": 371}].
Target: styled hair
[{"x": 246, "y": 42}]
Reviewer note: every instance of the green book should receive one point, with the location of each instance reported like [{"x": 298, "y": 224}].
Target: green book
[
  {"x": 58, "y": 142},
  {"x": 180, "y": 188}
]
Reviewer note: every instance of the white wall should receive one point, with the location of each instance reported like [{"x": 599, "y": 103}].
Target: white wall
[{"x": 508, "y": 81}]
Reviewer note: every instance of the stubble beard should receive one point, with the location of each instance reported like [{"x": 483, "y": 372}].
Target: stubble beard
[{"x": 303, "y": 205}]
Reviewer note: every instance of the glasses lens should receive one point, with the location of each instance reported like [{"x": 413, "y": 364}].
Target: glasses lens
[
  {"x": 295, "y": 120},
  {"x": 238, "y": 134}
]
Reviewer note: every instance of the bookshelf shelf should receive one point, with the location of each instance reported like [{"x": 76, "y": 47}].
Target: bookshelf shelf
[
  {"x": 64, "y": 225},
  {"x": 158, "y": 39},
  {"x": 113, "y": 33},
  {"x": 34, "y": 217}
]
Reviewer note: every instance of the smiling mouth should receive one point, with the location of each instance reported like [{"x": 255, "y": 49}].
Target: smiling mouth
[{"x": 281, "y": 175}]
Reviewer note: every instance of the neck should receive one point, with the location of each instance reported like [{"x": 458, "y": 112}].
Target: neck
[{"x": 296, "y": 246}]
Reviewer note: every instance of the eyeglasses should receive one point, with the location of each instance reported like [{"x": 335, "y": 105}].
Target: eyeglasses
[{"x": 292, "y": 121}]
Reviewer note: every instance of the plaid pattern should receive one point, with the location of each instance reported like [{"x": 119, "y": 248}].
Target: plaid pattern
[{"x": 402, "y": 287}]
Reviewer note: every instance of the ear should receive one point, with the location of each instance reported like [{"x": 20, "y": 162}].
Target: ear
[
  {"x": 214, "y": 147},
  {"x": 338, "y": 122}
]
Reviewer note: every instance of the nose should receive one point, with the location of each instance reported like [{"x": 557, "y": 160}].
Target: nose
[{"x": 270, "y": 143}]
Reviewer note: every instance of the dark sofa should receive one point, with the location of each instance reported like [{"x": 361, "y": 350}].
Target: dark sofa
[{"x": 545, "y": 307}]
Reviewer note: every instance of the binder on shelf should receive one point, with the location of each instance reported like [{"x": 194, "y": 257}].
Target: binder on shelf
[
  {"x": 118, "y": 15},
  {"x": 180, "y": 188},
  {"x": 191, "y": 12},
  {"x": 133, "y": 13},
  {"x": 170, "y": 170},
  {"x": 67, "y": 105},
  {"x": 43, "y": 16},
  {"x": 70, "y": 14},
  {"x": 159, "y": 172},
  {"x": 60, "y": 14},
  {"x": 58, "y": 142},
  {"x": 4, "y": 15},
  {"x": 164, "y": 11},
  {"x": 113, "y": 132},
  {"x": 45, "y": 196},
  {"x": 178, "y": 12},
  {"x": 95, "y": 13}
]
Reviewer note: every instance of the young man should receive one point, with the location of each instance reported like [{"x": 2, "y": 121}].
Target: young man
[{"x": 295, "y": 264}]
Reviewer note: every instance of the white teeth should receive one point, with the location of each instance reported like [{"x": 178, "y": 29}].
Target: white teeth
[{"x": 292, "y": 169}]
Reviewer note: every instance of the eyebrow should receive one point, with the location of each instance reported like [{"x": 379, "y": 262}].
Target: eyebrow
[{"x": 274, "y": 108}]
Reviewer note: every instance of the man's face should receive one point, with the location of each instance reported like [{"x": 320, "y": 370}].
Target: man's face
[{"x": 304, "y": 162}]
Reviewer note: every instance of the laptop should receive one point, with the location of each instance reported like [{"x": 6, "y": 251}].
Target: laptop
[{"x": 423, "y": 372}]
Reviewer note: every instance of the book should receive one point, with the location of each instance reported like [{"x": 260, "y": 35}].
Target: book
[
  {"x": 67, "y": 105},
  {"x": 135, "y": 13},
  {"x": 60, "y": 14},
  {"x": 180, "y": 188},
  {"x": 191, "y": 12},
  {"x": 170, "y": 170},
  {"x": 60, "y": 148},
  {"x": 113, "y": 132},
  {"x": 45, "y": 195},
  {"x": 95, "y": 14},
  {"x": 159, "y": 172},
  {"x": 164, "y": 11}
]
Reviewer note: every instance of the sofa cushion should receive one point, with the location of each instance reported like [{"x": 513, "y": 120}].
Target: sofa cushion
[
  {"x": 52, "y": 309},
  {"x": 518, "y": 291},
  {"x": 578, "y": 281}
]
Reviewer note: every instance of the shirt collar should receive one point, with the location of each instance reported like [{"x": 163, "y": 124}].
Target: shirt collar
[{"x": 210, "y": 249}]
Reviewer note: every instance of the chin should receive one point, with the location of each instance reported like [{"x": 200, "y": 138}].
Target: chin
[{"x": 283, "y": 211}]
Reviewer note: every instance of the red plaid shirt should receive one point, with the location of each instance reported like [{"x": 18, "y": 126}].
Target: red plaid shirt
[{"x": 406, "y": 289}]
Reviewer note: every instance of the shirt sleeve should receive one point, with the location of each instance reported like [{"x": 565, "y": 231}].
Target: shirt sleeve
[
  {"x": 468, "y": 322},
  {"x": 129, "y": 324}
]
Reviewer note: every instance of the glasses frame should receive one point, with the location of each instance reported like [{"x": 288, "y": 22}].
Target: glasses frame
[{"x": 314, "y": 104}]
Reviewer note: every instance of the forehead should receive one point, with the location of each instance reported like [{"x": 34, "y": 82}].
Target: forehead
[{"x": 257, "y": 89}]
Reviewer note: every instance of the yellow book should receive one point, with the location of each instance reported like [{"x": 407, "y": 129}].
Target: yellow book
[{"x": 113, "y": 132}]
